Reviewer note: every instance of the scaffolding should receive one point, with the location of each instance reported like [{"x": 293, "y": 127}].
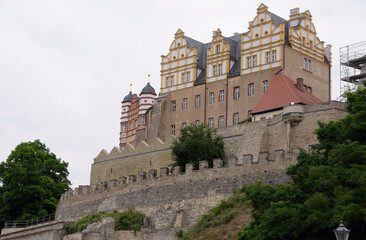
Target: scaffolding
[{"x": 352, "y": 67}]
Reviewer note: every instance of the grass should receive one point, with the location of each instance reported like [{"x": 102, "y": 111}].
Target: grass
[
  {"x": 222, "y": 222},
  {"x": 127, "y": 220}
]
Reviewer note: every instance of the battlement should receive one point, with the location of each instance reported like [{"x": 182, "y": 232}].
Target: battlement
[
  {"x": 141, "y": 148},
  {"x": 248, "y": 164}
]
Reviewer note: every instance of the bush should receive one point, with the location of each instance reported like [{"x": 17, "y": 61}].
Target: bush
[{"x": 127, "y": 220}]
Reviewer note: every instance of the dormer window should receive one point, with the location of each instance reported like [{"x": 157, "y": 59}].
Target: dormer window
[{"x": 217, "y": 49}]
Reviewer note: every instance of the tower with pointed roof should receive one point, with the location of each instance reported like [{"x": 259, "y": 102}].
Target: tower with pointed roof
[{"x": 133, "y": 113}]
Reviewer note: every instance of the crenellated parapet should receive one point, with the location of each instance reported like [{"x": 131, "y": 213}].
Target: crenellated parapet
[
  {"x": 248, "y": 164},
  {"x": 119, "y": 162}
]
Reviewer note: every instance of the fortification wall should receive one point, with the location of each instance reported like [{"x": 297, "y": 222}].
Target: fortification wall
[
  {"x": 241, "y": 141},
  {"x": 172, "y": 199},
  {"x": 130, "y": 160},
  {"x": 47, "y": 231},
  {"x": 260, "y": 150}
]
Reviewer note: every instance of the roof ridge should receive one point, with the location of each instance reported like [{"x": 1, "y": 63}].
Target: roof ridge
[{"x": 289, "y": 88}]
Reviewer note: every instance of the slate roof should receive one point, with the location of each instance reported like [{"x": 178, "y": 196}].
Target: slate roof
[
  {"x": 235, "y": 70},
  {"x": 276, "y": 19},
  {"x": 148, "y": 89},
  {"x": 128, "y": 97},
  {"x": 281, "y": 92}
]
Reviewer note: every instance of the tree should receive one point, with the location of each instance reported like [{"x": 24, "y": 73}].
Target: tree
[
  {"x": 32, "y": 179},
  {"x": 328, "y": 185},
  {"x": 197, "y": 143}
]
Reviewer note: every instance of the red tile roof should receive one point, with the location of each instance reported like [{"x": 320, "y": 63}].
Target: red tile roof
[{"x": 281, "y": 92}]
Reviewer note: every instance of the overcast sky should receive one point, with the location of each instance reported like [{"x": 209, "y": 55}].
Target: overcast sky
[{"x": 65, "y": 65}]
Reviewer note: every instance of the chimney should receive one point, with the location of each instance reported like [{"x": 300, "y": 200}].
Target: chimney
[{"x": 300, "y": 83}]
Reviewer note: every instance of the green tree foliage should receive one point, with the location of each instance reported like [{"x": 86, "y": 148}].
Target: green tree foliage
[
  {"x": 32, "y": 179},
  {"x": 328, "y": 185},
  {"x": 126, "y": 220},
  {"x": 197, "y": 143}
]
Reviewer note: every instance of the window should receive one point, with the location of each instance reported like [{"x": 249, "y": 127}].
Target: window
[
  {"x": 251, "y": 89},
  {"x": 236, "y": 93},
  {"x": 221, "y": 96},
  {"x": 184, "y": 125},
  {"x": 142, "y": 120},
  {"x": 212, "y": 97},
  {"x": 311, "y": 44},
  {"x": 217, "y": 49},
  {"x": 185, "y": 102},
  {"x": 215, "y": 70},
  {"x": 167, "y": 82},
  {"x": 198, "y": 101},
  {"x": 131, "y": 125},
  {"x": 254, "y": 60},
  {"x": 183, "y": 77},
  {"x": 174, "y": 106},
  {"x": 268, "y": 57},
  {"x": 136, "y": 123},
  {"x": 303, "y": 41},
  {"x": 197, "y": 122},
  {"x": 264, "y": 86},
  {"x": 274, "y": 56},
  {"x": 124, "y": 127},
  {"x": 307, "y": 63},
  {"x": 249, "y": 113},
  {"x": 188, "y": 76},
  {"x": 310, "y": 90},
  {"x": 171, "y": 80},
  {"x": 236, "y": 118},
  {"x": 221, "y": 121},
  {"x": 249, "y": 62},
  {"x": 172, "y": 130},
  {"x": 220, "y": 69},
  {"x": 159, "y": 106},
  {"x": 211, "y": 122}
]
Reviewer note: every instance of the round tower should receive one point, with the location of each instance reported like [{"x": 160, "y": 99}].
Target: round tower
[{"x": 147, "y": 99}]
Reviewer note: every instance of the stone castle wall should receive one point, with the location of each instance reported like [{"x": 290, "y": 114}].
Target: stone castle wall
[
  {"x": 241, "y": 141},
  {"x": 173, "y": 200}
]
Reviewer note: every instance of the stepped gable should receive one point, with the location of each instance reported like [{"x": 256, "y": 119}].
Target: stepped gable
[
  {"x": 148, "y": 89},
  {"x": 128, "y": 97},
  {"x": 281, "y": 92}
]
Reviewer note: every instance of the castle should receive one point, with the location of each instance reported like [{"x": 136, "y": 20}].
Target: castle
[
  {"x": 278, "y": 73},
  {"x": 221, "y": 82}
]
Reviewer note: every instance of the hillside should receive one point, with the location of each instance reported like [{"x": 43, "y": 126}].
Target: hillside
[{"x": 222, "y": 222}]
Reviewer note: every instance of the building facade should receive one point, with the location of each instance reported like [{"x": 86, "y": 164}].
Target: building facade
[{"x": 219, "y": 83}]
